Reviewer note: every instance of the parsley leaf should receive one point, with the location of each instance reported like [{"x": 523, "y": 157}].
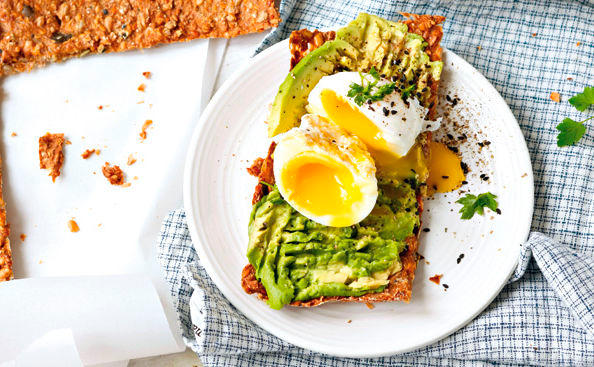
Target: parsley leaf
[
  {"x": 571, "y": 131},
  {"x": 476, "y": 204},
  {"x": 582, "y": 101},
  {"x": 363, "y": 92}
]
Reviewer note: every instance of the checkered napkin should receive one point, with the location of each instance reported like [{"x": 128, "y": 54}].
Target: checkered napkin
[{"x": 545, "y": 315}]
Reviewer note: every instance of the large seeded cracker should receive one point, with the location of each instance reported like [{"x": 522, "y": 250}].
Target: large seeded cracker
[
  {"x": 36, "y": 32},
  {"x": 399, "y": 287},
  {"x": 5, "y": 253}
]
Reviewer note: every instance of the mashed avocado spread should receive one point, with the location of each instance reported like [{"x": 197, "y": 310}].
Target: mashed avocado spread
[{"x": 297, "y": 259}]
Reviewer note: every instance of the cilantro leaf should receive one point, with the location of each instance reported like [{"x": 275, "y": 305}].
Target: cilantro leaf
[
  {"x": 476, "y": 204},
  {"x": 582, "y": 101},
  {"x": 571, "y": 132}
]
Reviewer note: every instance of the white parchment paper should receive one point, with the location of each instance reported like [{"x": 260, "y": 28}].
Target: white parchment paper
[
  {"x": 118, "y": 225},
  {"x": 109, "y": 318}
]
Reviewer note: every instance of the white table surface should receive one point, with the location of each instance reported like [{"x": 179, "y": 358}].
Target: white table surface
[{"x": 238, "y": 51}]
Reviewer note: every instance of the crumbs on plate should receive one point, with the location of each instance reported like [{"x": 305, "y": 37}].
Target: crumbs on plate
[
  {"x": 145, "y": 126},
  {"x": 436, "y": 278},
  {"x": 51, "y": 155},
  {"x": 89, "y": 152},
  {"x": 73, "y": 226},
  {"x": 114, "y": 174}
]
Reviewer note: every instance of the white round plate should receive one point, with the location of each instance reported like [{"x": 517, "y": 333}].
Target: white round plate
[{"x": 217, "y": 198}]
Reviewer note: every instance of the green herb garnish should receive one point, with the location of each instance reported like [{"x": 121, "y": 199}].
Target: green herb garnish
[
  {"x": 582, "y": 101},
  {"x": 406, "y": 92},
  {"x": 476, "y": 204},
  {"x": 572, "y": 131},
  {"x": 365, "y": 92}
]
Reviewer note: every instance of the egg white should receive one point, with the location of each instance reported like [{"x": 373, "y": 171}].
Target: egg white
[
  {"x": 399, "y": 129},
  {"x": 320, "y": 138}
]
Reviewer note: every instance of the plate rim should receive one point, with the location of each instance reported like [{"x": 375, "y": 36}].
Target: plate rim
[{"x": 190, "y": 166}]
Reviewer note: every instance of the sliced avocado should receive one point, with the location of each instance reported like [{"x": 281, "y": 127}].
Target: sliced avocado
[
  {"x": 393, "y": 51},
  {"x": 379, "y": 41},
  {"x": 289, "y": 103}
]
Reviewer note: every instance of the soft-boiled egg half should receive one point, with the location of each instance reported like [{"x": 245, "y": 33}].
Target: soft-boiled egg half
[
  {"x": 389, "y": 128},
  {"x": 325, "y": 173}
]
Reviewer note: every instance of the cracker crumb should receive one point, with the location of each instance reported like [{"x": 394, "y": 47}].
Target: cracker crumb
[
  {"x": 68, "y": 142},
  {"x": 578, "y": 43},
  {"x": 533, "y": 34},
  {"x": 349, "y": 321},
  {"x": 51, "y": 155},
  {"x": 135, "y": 177},
  {"x": 142, "y": 87},
  {"x": 114, "y": 174},
  {"x": 147, "y": 74},
  {"x": 89, "y": 152},
  {"x": 131, "y": 160},
  {"x": 73, "y": 226},
  {"x": 556, "y": 97},
  {"x": 13, "y": 134},
  {"x": 436, "y": 278},
  {"x": 100, "y": 107},
  {"x": 40, "y": 261},
  {"x": 369, "y": 305},
  {"x": 23, "y": 236},
  {"x": 145, "y": 126},
  {"x": 126, "y": 184},
  {"x": 479, "y": 47}
]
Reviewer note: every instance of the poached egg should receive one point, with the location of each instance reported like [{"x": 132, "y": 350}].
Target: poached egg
[
  {"x": 389, "y": 127},
  {"x": 325, "y": 173}
]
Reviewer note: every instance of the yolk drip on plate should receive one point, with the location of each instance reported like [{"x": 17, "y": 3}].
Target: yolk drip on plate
[
  {"x": 445, "y": 172},
  {"x": 413, "y": 162},
  {"x": 356, "y": 123},
  {"x": 321, "y": 186}
]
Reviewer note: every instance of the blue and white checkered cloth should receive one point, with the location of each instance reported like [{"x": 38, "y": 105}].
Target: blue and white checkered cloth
[{"x": 545, "y": 315}]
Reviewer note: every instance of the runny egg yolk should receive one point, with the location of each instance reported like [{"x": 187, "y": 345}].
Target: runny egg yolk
[
  {"x": 445, "y": 171},
  {"x": 321, "y": 186},
  {"x": 356, "y": 123}
]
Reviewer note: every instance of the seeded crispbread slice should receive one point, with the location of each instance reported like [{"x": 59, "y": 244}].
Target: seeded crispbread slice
[
  {"x": 37, "y": 32},
  {"x": 5, "y": 253},
  {"x": 399, "y": 287}
]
